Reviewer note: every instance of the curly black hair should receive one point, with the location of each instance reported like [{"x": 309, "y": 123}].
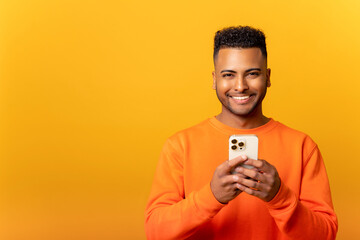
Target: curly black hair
[{"x": 239, "y": 37}]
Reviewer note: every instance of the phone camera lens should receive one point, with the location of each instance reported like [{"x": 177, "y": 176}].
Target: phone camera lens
[
  {"x": 241, "y": 144},
  {"x": 233, "y": 147},
  {"x": 234, "y": 141}
]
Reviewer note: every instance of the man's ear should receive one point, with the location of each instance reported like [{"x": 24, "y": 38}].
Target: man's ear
[
  {"x": 214, "y": 80},
  {"x": 268, "y": 83}
]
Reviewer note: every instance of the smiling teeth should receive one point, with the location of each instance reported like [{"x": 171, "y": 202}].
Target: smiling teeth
[{"x": 241, "y": 98}]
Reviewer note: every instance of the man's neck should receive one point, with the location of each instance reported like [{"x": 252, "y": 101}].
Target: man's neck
[{"x": 240, "y": 122}]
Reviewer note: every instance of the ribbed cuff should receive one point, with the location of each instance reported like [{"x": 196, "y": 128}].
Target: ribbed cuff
[
  {"x": 283, "y": 199},
  {"x": 206, "y": 203}
]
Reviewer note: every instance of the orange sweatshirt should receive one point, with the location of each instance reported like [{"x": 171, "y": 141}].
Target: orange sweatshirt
[{"x": 182, "y": 206}]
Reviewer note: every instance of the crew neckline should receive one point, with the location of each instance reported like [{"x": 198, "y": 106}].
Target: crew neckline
[{"x": 230, "y": 130}]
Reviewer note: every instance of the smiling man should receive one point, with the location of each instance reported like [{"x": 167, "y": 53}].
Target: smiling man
[
  {"x": 241, "y": 78},
  {"x": 198, "y": 193}
]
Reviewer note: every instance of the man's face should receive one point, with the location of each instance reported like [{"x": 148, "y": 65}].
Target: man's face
[{"x": 240, "y": 79}]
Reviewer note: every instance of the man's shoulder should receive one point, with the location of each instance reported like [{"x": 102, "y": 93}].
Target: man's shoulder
[
  {"x": 290, "y": 130},
  {"x": 294, "y": 134},
  {"x": 188, "y": 136},
  {"x": 196, "y": 130}
]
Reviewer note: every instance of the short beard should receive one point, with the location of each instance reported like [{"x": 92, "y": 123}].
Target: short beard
[{"x": 252, "y": 109}]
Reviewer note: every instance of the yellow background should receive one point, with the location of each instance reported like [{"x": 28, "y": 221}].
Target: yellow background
[{"x": 90, "y": 90}]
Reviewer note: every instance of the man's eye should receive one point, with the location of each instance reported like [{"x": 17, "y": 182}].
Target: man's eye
[
  {"x": 254, "y": 73},
  {"x": 227, "y": 75}
]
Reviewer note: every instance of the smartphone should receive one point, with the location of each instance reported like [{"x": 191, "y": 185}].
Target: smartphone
[{"x": 243, "y": 145}]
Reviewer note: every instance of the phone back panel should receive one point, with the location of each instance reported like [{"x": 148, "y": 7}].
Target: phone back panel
[{"x": 243, "y": 145}]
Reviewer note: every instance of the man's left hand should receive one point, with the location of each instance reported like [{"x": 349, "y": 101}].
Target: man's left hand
[{"x": 263, "y": 180}]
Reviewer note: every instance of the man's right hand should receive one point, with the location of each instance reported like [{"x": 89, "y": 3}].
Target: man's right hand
[{"x": 223, "y": 182}]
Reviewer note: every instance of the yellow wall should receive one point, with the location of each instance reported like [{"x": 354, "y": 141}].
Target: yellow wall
[{"x": 89, "y": 91}]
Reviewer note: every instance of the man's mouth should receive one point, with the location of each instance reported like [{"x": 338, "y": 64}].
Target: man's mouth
[{"x": 240, "y": 98}]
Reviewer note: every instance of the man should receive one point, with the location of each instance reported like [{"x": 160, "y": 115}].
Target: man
[{"x": 198, "y": 195}]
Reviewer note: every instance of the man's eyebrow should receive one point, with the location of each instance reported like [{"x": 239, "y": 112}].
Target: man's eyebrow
[
  {"x": 226, "y": 70},
  {"x": 247, "y": 70},
  {"x": 253, "y": 69}
]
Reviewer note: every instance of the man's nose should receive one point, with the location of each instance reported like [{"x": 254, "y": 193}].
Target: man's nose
[{"x": 241, "y": 84}]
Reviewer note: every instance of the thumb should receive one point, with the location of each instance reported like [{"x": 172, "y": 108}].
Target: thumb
[{"x": 231, "y": 163}]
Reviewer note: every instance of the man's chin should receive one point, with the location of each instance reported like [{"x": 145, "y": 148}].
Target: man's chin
[
  {"x": 249, "y": 112},
  {"x": 241, "y": 113}
]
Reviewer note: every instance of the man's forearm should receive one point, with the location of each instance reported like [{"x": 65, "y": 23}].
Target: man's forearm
[
  {"x": 167, "y": 220},
  {"x": 298, "y": 221}
]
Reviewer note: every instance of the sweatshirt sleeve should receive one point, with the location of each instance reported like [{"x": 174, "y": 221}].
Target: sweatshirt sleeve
[
  {"x": 311, "y": 215},
  {"x": 168, "y": 214}
]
